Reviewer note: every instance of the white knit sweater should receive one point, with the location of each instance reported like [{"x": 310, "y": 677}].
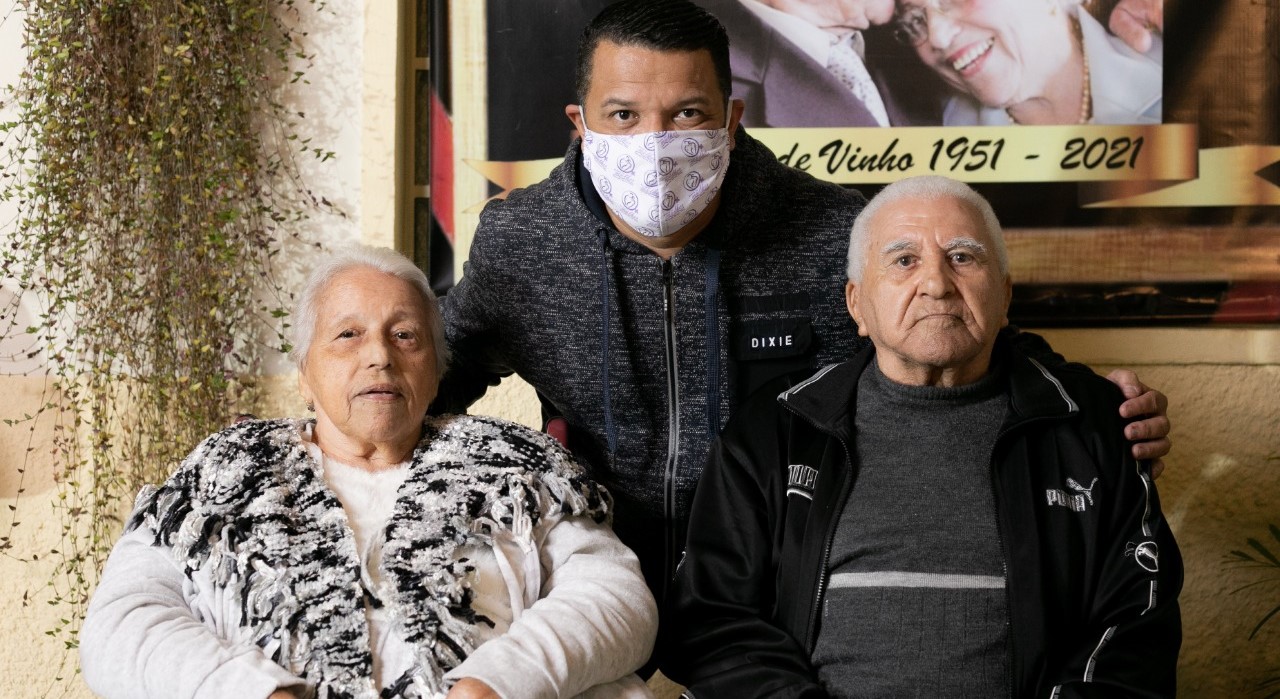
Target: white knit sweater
[{"x": 571, "y": 615}]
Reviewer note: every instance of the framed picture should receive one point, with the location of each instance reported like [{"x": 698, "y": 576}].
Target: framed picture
[{"x": 1161, "y": 208}]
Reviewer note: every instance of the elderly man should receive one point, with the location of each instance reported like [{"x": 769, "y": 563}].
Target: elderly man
[
  {"x": 666, "y": 269},
  {"x": 942, "y": 515},
  {"x": 807, "y": 63}
]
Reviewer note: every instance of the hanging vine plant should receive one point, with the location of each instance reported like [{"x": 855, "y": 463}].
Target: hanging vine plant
[{"x": 152, "y": 165}]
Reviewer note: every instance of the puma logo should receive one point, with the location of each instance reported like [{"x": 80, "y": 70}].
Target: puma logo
[
  {"x": 801, "y": 480},
  {"x": 1077, "y": 501},
  {"x": 1146, "y": 554},
  {"x": 1087, "y": 492}
]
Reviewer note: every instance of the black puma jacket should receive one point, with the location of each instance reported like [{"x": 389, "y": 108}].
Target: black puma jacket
[{"x": 1092, "y": 570}]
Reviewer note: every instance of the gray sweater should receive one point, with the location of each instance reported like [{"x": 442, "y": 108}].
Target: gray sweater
[
  {"x": 915, "y": 601},
  {"x": 645, "y": 360}
]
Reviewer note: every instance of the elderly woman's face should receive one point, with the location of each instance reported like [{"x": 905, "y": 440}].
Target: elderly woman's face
[
  {"x": 1001, "y": 52},
  {"x": 371, "y": 367}
]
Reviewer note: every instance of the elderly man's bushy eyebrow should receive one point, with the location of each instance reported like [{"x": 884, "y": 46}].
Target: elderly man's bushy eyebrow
[
  {"x": 962, "y": 243},
  {"x": 898, "y": 246},
  {"x": 969, "y": 244}
]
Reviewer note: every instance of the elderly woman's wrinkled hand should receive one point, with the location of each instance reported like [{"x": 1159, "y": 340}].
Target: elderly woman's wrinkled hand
[{"x": 471, "y": 688}]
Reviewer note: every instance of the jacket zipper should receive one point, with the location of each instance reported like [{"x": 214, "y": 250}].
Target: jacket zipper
[
  {"x": 829, "y": 539},
  {"x": 1004, "y": 552},
  {"x": 673, "y": 426},
  {"x": 1004, "y": 563}
]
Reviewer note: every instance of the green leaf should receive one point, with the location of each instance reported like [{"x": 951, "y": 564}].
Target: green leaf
[
  {"x": 1265, "y": 619},
  {"x": 1241, "y": 555},
  {"x": 1257, "y": 546}
]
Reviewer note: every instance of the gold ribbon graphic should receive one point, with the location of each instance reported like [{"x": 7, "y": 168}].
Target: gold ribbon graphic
[{"x": 1117, "y": 166}]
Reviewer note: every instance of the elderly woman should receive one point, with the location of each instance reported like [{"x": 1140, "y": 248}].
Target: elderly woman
[
  {"x": 369, "y": 552},
  {"x": 1032, "y": 62}
]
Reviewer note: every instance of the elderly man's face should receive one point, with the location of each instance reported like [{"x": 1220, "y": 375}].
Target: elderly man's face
[
  {"x": 371, "y": 367},
  {"x": 932, "y": 297},
  {"x": 837, "y": 15}
]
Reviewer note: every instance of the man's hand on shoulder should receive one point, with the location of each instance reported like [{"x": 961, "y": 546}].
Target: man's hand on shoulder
[
  {"x": 1150, "y": 434},
  {"x": 1136, "y": 21},
  {"x": 471, "y": 688}
]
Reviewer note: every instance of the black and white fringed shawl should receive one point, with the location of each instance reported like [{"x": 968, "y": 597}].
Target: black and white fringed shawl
[{"x": 251, "y": 507}]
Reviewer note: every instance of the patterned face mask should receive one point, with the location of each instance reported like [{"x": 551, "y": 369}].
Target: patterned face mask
[{"x": 656, "y": 182}]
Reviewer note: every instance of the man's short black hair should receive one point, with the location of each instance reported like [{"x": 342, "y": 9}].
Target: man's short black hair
[{"x": 659, "y": 25}]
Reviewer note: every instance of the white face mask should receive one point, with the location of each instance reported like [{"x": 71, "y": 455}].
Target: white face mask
[{"x": 660, "y": 181}]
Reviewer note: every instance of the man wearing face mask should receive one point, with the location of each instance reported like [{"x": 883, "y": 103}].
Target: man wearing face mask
[{"x": 667, "y": 268}]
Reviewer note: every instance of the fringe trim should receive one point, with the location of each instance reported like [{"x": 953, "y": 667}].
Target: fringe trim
[{"x": 251, "y": 507}]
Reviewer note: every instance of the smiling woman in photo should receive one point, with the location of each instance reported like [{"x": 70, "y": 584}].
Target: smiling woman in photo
[{"x": 1032, "y": 62}]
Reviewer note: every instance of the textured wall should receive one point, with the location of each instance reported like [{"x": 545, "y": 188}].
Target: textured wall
[{"x": 1221, "y": 487}]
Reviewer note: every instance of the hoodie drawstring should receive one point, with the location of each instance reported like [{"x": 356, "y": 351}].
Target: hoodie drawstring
[
  {"x": 713, "y": 342},
  {"x": 711, "y": 293},
  {"x": 611, "y": 431}
]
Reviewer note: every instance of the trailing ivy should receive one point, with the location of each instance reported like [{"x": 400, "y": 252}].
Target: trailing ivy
[{"x": 152, "y": 165}]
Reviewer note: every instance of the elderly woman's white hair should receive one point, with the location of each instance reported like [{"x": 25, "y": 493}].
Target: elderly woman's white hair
[
  {"x": 383, "y": 260},
  {"x": 927, "y": 187}
]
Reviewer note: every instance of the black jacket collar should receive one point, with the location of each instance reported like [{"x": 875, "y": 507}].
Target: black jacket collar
[{"x": 827, "y": 398}]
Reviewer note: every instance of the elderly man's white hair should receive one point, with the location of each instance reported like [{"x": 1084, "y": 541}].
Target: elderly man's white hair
[
  {"x": 383, "y": 260},
  {"x": 927, "y": 187}
]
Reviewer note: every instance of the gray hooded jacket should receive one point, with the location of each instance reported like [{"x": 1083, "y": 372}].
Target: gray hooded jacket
[{"x": 644, "y": 358}]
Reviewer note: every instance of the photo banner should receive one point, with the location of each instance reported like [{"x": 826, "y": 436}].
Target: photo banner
[{"x": 1163, "y": 209}]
